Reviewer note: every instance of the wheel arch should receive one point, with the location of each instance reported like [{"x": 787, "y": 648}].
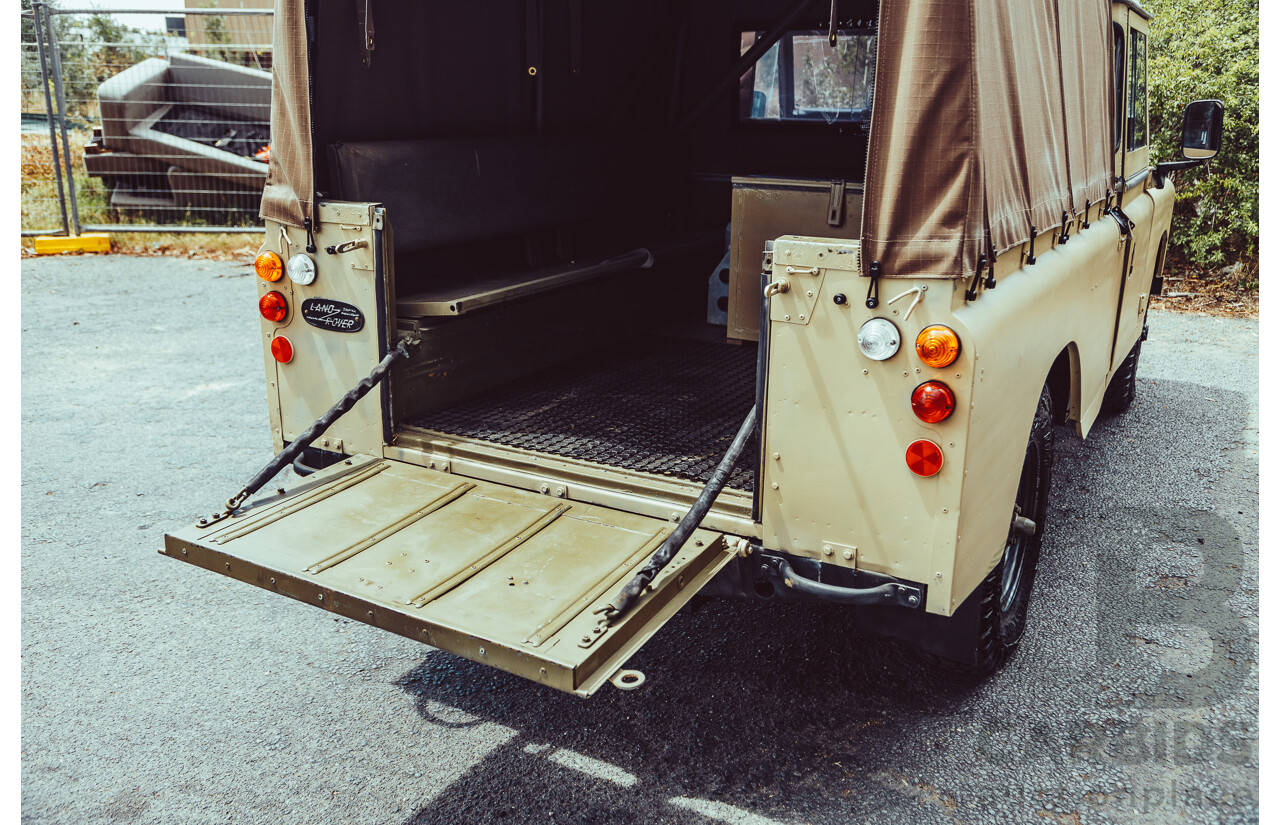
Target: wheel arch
[
  {"x": 1157, "y": 274},
  {"x": 1064, "y": 384}
]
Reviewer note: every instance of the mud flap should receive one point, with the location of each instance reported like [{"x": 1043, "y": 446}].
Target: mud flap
[{"x": 501, "y": 576}]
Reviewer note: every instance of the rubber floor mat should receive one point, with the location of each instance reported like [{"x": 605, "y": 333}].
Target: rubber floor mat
[{"x": 666, "y": 406}]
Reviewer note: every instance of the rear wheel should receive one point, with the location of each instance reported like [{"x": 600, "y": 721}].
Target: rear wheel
[
  {"x": 1003, "y": 596},
  {"x": 1124, "y": 384}
]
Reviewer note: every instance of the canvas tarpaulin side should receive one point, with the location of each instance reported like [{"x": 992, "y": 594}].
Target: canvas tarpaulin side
[
  {"x": 990, "y": 118},
  {"x": 290, "y": 171}
]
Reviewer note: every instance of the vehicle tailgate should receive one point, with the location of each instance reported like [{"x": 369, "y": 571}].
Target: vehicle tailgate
[{"x": 504, "y": 577}]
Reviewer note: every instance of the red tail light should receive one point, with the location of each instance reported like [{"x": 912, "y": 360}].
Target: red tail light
[
  {"x": 932, "y": 402},
  {"x": 924, "y": 458},
  {"x": 273, "y": 307}
]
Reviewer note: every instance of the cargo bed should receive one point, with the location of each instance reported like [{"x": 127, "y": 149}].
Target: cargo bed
[{"x": 665, "y": 405}]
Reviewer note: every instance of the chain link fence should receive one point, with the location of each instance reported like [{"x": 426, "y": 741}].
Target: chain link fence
[{"x": 144, "y": 121}]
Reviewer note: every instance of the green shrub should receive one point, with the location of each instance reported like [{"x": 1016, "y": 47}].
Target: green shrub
[{"x": 1209, "y": 49}]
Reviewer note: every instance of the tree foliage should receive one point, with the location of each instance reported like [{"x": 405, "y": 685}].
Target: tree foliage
[
  {"x": 1209, "y": 49},
  {"x": 91, "y": 49}
]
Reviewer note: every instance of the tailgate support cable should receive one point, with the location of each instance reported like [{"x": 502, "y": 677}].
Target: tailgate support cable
[
  {"x": 286, "y": 456},
  {"x": 626, "y": 597}
]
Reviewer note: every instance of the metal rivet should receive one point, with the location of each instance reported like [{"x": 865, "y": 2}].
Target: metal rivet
[
  {"x": 775, "y": 485},
  {"x": 938, "y": 575},
  {"x": 848, "y": 554},
  {"x": 826, "y": 549},
  {"x": 184, "y": 551},
  {"x": 482, "y": 653},
  {"x": 864, "y": 372},
  {"x": 801, "y": 317},
  {"x": 944, "y": 509},
  {"x": 786, "y": 317},
  {"x": 777, "y": 456},
  {"x": 321, "y": 597}
]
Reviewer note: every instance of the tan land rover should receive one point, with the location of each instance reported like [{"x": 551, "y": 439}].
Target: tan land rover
[{"x": 543, "y": 397}]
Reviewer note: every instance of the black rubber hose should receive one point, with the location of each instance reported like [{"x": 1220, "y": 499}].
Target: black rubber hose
[
  {"x": 719, "y": 478},
  {"x": 286, "y": 456}
]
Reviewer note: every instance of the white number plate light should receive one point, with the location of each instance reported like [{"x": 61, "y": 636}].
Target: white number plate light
[
  {"x": 302, "y": 270},
  {"x": 879, "y": 339}
]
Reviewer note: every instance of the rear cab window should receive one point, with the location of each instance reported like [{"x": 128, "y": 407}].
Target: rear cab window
[{"x": 804, "y": 79}]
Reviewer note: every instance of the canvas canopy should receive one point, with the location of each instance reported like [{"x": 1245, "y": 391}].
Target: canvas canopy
[{"x": 990, "y": 117}]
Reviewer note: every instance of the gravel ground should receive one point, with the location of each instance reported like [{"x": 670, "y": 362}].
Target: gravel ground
[{"x": 156, "y": 692}]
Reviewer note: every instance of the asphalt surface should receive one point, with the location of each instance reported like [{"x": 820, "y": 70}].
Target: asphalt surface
[{"x": 156, "y": 692}]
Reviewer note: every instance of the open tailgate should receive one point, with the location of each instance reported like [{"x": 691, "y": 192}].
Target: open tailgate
[{"x": 505, "y": 577}]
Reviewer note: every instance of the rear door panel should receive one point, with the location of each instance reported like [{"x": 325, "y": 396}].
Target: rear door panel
[{"x": 505, "y": 577}]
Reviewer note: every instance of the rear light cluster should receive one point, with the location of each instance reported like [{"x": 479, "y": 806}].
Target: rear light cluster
[
  {"x": 937, "y": 346},
  {"x": 933, "y": 401},
  {"x": 273, "y": 306}
]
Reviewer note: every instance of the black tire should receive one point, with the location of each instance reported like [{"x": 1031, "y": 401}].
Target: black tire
[
  {"x": 1124, "y": 384},
  {"x": 1003, "y": 596}
]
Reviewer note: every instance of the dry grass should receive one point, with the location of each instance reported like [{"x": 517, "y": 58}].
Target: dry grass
[{"x": 1230, "y": 292}]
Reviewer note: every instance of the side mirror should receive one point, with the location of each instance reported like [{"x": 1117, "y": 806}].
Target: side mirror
[
  {"x": 1202, "y": 129},
  {"x": 1201, "y": 138}
]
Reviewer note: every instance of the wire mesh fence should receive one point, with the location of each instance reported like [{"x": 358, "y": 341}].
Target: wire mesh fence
[{"x": 145, "y": 121}]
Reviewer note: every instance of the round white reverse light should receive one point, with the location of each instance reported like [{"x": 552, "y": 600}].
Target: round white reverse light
[
  {"x": 879, "y": 339},
  {"x": 302, "y": 270}
]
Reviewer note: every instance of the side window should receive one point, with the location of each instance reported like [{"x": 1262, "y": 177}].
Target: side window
[
  {"x": 1117, "y": 36},
  {"x": 1137, "y": 90},
  {"x": 802, "y": 78}
]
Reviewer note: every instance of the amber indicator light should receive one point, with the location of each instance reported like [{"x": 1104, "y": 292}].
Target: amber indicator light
[
  {"x": 273, "y": 307},
  {"x": 281, "y": 349},
  {"x": 932, "y": 402},
  {"x": 268, "y": 266},
  {"x": 937, "y": 346},
  {"x": 924, "y": 458}
]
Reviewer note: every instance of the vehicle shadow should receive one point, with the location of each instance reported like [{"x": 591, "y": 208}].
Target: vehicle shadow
[
  {"x": 754, "y": 706},
  {"x": 760, "y": 713}
]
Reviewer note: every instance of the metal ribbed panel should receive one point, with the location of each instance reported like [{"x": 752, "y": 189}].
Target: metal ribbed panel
[{"x": 666, "y": 406}]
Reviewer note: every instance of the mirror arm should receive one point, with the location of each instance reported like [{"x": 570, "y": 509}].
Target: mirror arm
[{"x": 1171, "y": 166}]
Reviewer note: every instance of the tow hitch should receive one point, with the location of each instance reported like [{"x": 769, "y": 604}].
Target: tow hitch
[{"x": 780, "y": 573}]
